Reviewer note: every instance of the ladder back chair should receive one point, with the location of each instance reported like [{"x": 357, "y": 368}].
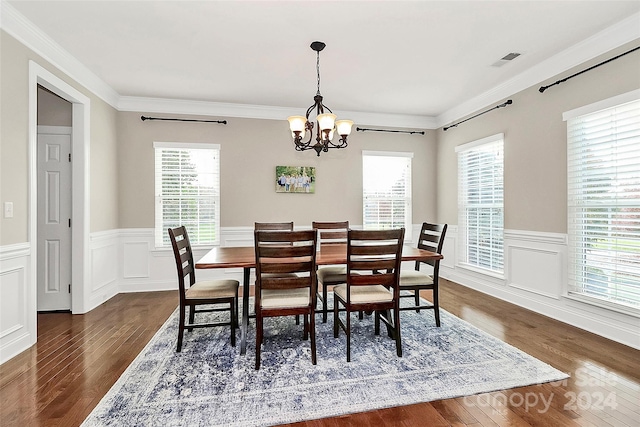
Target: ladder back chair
[
  {"x": 285, "y": 280},
  {"x": 330, "y": 233},
  {"x": 431, "y": 239},
  {"x": 276, "y": 226},
  {"x": 210, "y": 292},
  {"x": 373, "y": 272}
]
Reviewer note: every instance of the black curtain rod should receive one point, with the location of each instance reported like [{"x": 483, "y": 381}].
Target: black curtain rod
[
  {"x": 504, "y": 104},
  {"x": 543, "y": 88},
  {"x": 224, "y": 122},
  {"x": 410, "y": 132}
]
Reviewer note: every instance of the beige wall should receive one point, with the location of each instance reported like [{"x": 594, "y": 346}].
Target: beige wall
[
  {"x": 53, "y": 110},
  {"x": 14, "y": 145},
  {"x": 250, "y": 151},
  {"x": 535, "y": 143}
]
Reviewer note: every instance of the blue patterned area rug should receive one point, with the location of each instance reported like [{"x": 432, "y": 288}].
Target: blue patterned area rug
[{"x": 209, "y": 383}]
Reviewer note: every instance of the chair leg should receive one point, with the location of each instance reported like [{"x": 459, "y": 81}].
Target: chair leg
[
  {"x": 335, "y": 317},
  {"x": 181, "y": 328},
  {"x": 361, "y": 315},
  {"x": 348, "y": 336},
  {"x": 305, "y": 333},
  {"x": 237, "y": 325},
  {"x": 376, "y": 329},
  {"x": 192, "y": 316},
  {"x": 324, "y": 303},
  {"x": 258, "y": 340},
  {"x": 297, "y": 319},
  {"x": 416, "y": 294},
  {"x": 396, "y": 321},
  {"x": 234, "y": 322},
  {"x": 436, "y": 305},
  {"x": 313, "y": 337}
]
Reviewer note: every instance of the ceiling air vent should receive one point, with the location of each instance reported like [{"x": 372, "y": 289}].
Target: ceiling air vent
[{"x": 508, "y": 57}]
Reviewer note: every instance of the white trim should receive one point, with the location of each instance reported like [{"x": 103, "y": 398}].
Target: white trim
[
  {"x": 483, "y": 271},
  {"x": 387, "y": 153},
  {"x": 18, "y": 250},
  {"x": 80, "y": 185},
  {"x": 619, "y": 308},
  {"x": 486, "y": 140},
  {"x": 535, "y": 236},
  {"x": 614, "y": 101},
  {"x": 187, "y": 145}
]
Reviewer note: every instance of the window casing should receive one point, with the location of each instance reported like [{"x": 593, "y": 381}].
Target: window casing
[
  {"x": 386, "y": 190},
  {"x": 187, "y": 192},
  {"x": 481, "y": 204},
  {"x": 603, "y": 178}
]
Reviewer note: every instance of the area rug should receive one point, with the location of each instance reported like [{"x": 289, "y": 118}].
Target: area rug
[{"x": 209, "y": 383}]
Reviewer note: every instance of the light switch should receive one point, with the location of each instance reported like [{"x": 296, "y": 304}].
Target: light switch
[{"x": 8, "y": 209}]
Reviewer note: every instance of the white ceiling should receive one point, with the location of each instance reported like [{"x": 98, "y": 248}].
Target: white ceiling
[{"x": 410, "y": 58}]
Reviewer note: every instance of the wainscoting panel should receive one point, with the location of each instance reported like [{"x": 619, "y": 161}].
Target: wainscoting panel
[
  {"x": 135, "y": 259},
  {"x": 104, "y": 267},
  {"x": 535, "y": 270},
  {"x": 17, "y": 301}
]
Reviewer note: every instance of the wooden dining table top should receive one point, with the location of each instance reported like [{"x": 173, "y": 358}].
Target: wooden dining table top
[{"x": 244, "y": 256}]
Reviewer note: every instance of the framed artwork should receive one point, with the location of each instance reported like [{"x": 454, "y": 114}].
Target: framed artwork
[{"x": 295, "y": 179}]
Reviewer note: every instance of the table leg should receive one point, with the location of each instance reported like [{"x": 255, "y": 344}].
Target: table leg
[{"x": 245, "y": 311}]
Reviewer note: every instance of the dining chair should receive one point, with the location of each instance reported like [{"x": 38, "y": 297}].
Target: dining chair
[
  {"x": 330, "y": 233},
  {"x": 431, "y": 239},
  {"x": 276, "y": 226},
  {"x": 285, "y": 280},
  {"x": 373, "y": 272},
  {"x": 209, "y": 292}
]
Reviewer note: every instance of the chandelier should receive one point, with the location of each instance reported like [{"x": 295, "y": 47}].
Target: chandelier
[{"x": 327, "y": 125}]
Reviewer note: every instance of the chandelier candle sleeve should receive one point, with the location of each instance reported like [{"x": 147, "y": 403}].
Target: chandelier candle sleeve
[{"x": 327, "y": 125}]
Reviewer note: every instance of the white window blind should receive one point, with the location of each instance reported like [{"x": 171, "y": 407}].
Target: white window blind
[
  {"x": 604, "y": 206},
  {"x": 481, "y": 203},
  {"x": 386, "y": 190},
  {"x": 187, "y": 188}
]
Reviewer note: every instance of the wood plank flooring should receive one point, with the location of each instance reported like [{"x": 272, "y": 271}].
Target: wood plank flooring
[{"x": 78, "y": 358}]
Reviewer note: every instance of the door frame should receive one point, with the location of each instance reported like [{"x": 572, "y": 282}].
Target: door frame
[{"x": 80, "y": 209}]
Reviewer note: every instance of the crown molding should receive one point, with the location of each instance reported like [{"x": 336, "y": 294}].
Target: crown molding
[
  {"x": 220, "y": 109},
  {"x": 606, "y": 40},
  {"x": 23, "y": 30}
]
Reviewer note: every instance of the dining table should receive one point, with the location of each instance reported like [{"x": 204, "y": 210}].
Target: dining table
[{"x": 244, "y": 257}]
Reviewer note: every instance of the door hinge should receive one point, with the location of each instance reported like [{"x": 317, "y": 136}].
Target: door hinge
[
  {"x": 69, "y": 287},
  {"x": 69, "y": 222},
  {"x": 69, "y": 156}
]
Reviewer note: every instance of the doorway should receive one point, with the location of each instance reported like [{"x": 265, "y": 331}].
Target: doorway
[{"x": 78, "y": 190}]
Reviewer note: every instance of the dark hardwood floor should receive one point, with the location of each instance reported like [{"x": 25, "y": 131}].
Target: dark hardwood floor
[{"x": 78, "y": 358}]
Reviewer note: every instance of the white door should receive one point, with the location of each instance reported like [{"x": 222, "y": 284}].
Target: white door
[{"x": 54, "y": 218}]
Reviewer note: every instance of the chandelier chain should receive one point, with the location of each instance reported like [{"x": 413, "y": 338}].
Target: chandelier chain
[{"x": 318, "y": 70}]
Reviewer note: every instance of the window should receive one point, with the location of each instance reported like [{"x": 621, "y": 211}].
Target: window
[
  {"x": 386, "y": 190},
  {"x": 603, "y": 155},
  {"x": 481, "y": 204},
  {"x": 187, "y": 191}
]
